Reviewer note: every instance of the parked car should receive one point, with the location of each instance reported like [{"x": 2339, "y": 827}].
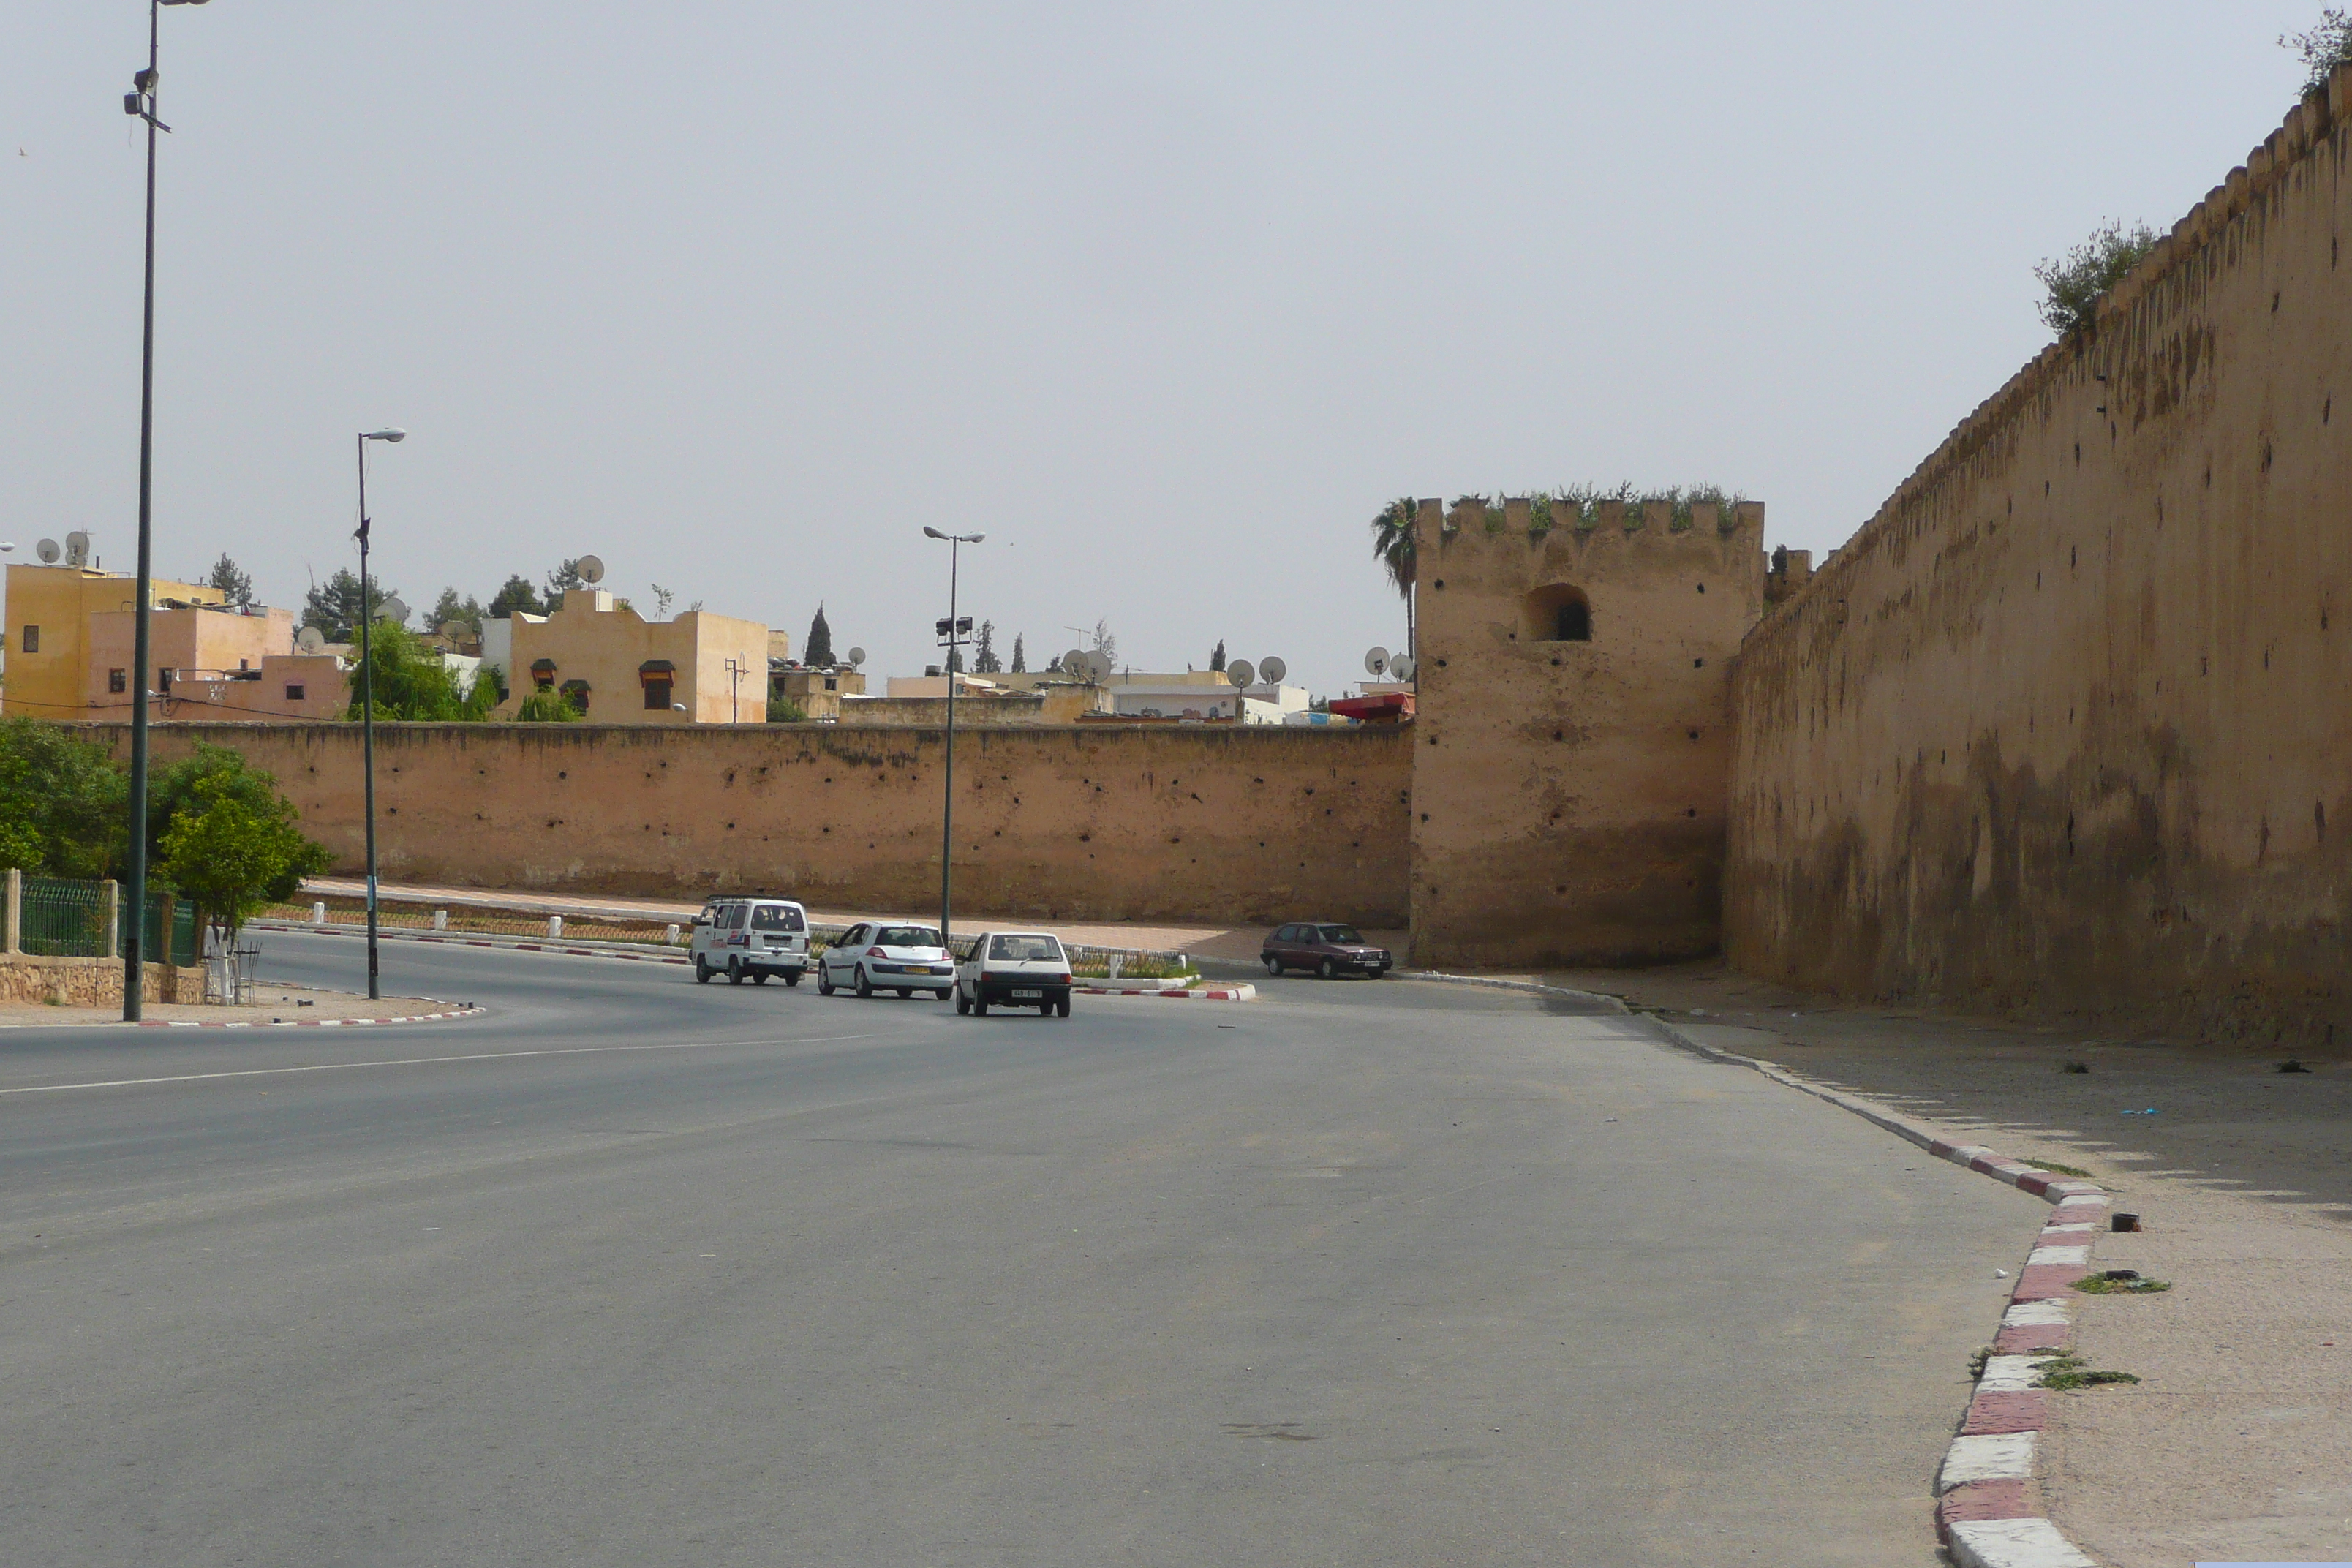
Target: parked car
[
  {"x": 1014, "y": 969},
  {"x": 887, "y": 955},
  {"x": 1326, "y": 947},
  {"x": 750, "y": 938}
]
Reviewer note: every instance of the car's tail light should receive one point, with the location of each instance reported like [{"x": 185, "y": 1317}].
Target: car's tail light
[
  {"x": 876, "y": 952},
  {"x": 1061, "y": 980}
]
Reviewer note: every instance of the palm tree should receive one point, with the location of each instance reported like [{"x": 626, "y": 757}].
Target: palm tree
[{"x": 1392, "y": 548}]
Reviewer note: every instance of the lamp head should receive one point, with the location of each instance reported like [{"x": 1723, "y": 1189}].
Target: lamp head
[
  {"x": 930, "y": 532},
  {"x": 385, "y": 434},
  {"x": 184, "y": 2}
]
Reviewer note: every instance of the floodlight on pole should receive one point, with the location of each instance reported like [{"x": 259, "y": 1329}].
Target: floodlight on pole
[
  {"x": 367, "y": 688},
  {"x": 951, "y": 631}
]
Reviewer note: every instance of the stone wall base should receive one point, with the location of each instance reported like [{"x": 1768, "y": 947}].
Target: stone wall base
[{"x": 92, "y": 981}]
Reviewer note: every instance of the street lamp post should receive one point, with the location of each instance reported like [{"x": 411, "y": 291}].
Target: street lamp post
[
  {"x": 141, "y": 101},
  {"x": 952, "y": 631},
  {"x": 367, "y": 694}
]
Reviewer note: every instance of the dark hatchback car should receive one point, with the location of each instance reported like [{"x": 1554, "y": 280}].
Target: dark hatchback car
[{"x": 1325, "y": 947}]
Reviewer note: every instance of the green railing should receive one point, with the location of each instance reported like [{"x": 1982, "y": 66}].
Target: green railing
[{"x": 65, "y": 918}]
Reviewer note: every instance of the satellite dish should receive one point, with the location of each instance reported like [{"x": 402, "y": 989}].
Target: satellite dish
[
  {"x": 856, "y": 657},
  {"x": 591, "y": 570},
  {"x": 1272, "y": 671},
  {"x": 310, "y": 640},
  {"x": 1402, "y": 666},
  {"x": 1099, "y": 663},
  {"x": 77, "y": 548},
  {"x": 1076, "y": 662},
  {"x": 48, "y": 551},
  {"x": 394, "y": 610},
  {"x": 455, "y": 631},
  {"x": 1241, "y": 672},
  {"x": 1376, "y": 660}
]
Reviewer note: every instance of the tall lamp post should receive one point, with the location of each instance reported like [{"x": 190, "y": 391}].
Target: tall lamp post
[
  {"x": 951, "y": 632},
  {"x": 141, "y": 101},
  {"x": 367, "y": 692}
]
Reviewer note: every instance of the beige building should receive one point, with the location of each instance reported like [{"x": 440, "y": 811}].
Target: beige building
[
  {"x": 72, "y": 631},
  {"x": 620, "y": 668}
]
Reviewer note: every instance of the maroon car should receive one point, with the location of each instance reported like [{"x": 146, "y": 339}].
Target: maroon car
[{"x": 1326, "y": 947}]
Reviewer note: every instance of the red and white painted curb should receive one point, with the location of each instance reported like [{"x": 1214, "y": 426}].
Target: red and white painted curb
[
  {"x": 456, "y": 1011},
  {"x": 1989, "y": 1512},
  {"x": 1241, "y": 992},
  {"x": 510, "y": 945}
]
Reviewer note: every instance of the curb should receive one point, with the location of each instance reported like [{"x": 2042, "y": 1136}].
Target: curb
[
  {"x": 1601, "y": 1003},
  {"x": 1989, "y": 1512},
  {"x": 305, "y": 1023},
  {"x": 511, "y": 944},
  {"x": 1196, "y": 994}
]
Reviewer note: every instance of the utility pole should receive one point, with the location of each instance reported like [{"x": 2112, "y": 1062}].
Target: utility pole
[
  {"x": 367, "y": 697},
  {"x": 952, "y": 631}
]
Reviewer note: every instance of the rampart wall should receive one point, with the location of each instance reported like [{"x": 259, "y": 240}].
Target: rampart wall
[
  {"x": 1570, "y": 776},
  {"x": 1095, "y": 823},
  {"x": 2066, "y": 724}
]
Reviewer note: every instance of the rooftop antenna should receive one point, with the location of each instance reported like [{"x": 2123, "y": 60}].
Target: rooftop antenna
[
  {"x": 1271, "y": 670},
  {"x": 48, "y": 551},
  {"x": 77, "y": 549},
  {"x": 1376, "y": 660},
  {"x": 591, "y": 569},
  {"x": 1402, "y": 666},
  {"x": 311, "y": 639},
  {"x": 856, "y": 657},
  {"x": 1242, "y": 673}
]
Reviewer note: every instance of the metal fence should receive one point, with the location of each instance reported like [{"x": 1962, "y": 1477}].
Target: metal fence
[{"x": 67, "y": 918}]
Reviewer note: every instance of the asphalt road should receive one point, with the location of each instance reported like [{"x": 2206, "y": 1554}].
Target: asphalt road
[{"x": 633, "y": 1271}]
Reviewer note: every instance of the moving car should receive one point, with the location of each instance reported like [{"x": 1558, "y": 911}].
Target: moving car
[
  {"x": 1326, "y": 947},
  {"x": 1014, "y": 969},
  {"x": 887, "y": 955},
  {"x": 752, "y": 938}
]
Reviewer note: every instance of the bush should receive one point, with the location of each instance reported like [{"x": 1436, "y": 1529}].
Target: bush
[
  {"x": 408, "y": 680},
  {"x": 784, "y": 711},
  {"x": 2082, "y": 278},
  {"x": 2322, "y": 49},
  {"x": 544, "y": 707},
  {"x": 233, "y": 850}
]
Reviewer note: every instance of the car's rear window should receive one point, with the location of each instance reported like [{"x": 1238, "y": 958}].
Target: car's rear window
[
  {"x": 1025, "y": 948},
  {"x": 1340, "y": 933},
  {"x": 906, "y": 936},
  {"x": 777, "y": 917}
]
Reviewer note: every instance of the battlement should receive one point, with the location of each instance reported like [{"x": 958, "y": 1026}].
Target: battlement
[{"x": 1540, "y": 517}]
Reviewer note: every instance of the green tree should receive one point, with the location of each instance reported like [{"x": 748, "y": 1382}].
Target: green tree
[
  {"x": 2078, "y": 280},
  {"x": 1217, "y": 660},
  {"x": 564, "y": 579},
  {"x": 408, "y": 680},
  {"x": 517, "y": 595},
  {"x": 333, "y": 606},
  {"x": 452, "y": 609},
  {"x": 1392, "y": 547},
  {"x": 62, "y": 802},
  {"x": 1020, "y": 656},
  {"x": 175, "y": 787},
  {"x": 2322, "y": 49},
  {"x": 1105, "y": 643},
  {"x": 984, "y": 651},
  {"x": 784, "y": 711},
  {"x": 235, "y": 586},
  {"x": 819, "y": 649},
  {"x": 233, "y": 852},
  {"x": 544, "y": 707}
]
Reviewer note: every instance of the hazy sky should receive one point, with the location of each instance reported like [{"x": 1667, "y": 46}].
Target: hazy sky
[{"x": 1168, "y": 299}]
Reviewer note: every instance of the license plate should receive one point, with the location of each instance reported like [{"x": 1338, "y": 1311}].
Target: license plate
[{"x": 1033, "y": 995}]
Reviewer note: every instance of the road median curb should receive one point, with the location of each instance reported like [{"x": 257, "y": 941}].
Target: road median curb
[{"x": 1990, "y": 1509}]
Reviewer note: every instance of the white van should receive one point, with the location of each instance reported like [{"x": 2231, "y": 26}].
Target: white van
[{"x": 750, "y": 938}]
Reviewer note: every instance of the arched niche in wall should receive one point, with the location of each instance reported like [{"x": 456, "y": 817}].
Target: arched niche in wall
[{"x": 1557, "y": 612}]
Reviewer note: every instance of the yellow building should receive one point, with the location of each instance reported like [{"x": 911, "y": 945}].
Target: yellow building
[
  {"x": 49, "y": 612},
  {"x": 618, "y": 667}
]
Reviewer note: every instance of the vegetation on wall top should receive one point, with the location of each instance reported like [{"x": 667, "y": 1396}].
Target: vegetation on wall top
[
  {"x": 2075, "y": 282},
  {"x": 2323, "y": 47}
]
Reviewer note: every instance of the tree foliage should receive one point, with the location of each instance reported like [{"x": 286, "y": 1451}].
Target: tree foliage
[
  {"x": 545, "y": 707},
  {"x": 62, "y": 803},
  {"x": 1392, "y": 544},
  {"x": 784, "y": 711},
  {"x": 818, "y": 650},
  {"x": 1020, "y": 656},
  {"x": 407, "y": 680},
  {"x": 466, "y": 611},
  {"x": 235, "y": 586},
  {"x": 2322, "y": 48},
  {"x": 1217, "y": 660},
  {"x": 2076, "y": 281},
  {"x": 517, "y": 595},
  {"x": 564, "y": 579},
  {"x": 233, "y": 849},
  {"x": 333, "y": 606},
  {"x": 1105, "y": 643},
  {"x": 984, "y": 651}
]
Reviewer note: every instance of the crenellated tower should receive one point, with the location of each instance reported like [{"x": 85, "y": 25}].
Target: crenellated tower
[{"x": 1571, "y": 750}]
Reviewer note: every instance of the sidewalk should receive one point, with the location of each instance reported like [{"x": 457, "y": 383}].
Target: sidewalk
[
  {"x": 1233, "y": 943},
  {"x": 2237, "y": 1444}
]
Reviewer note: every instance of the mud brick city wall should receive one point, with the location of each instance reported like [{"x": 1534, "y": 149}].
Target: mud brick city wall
[
  {"x": 1568, "y": 794},
  {"x": 2067, "y": 724},
  {"x": 1095, "y": 823}
]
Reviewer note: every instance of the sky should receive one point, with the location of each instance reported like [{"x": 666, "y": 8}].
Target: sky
[{"x": 1166, "y": 300}]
